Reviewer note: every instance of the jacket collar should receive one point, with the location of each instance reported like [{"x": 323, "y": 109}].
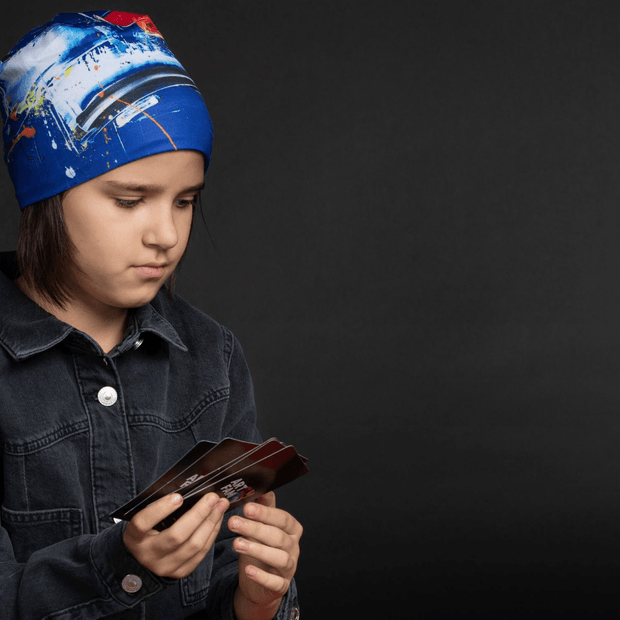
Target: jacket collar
[{"x": 26, "y": 329}]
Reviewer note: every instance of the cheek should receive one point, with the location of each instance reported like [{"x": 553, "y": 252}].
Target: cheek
[
  {"x": 184, "y": 227},
  {"x": 102, "y": 246}
]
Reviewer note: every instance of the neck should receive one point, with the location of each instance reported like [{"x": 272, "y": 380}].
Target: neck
[{"x": 104, "y": 324}]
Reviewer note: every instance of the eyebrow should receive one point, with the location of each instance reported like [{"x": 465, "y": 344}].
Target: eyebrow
[{"x": 149, "y": 187}]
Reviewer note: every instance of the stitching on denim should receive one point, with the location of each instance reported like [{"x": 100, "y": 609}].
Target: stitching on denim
[
  {"x": 229, "y": 344},
  {"x": 157, "y": 580},
  {"x": 30, "y": 352},
  {"x": 72, "y": 516},
  {"x": 190, "y": 596},
  {"x": 24, "y": 481},
  {"x": 35, "y": 445},
  {"x": 63, "y": 613},
  {"x": 211, "y": 399},
  {"x": 91, "y": 439},
  {"x": 125, "y": 422}
]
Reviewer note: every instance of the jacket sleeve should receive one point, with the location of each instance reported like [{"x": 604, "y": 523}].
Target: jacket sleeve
[
  {"x": 241, "y": 424},
  {"x": 77, "y": 578}
]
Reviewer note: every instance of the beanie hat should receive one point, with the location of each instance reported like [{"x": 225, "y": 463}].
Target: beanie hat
[{"x": 89, "y": 92}]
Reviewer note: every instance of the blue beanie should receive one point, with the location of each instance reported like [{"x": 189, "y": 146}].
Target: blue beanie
[{"x": 89, "y": 92}]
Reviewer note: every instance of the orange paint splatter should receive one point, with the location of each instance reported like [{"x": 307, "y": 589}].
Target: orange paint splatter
[
  {"x": 102, "y": 94},
  {"x": 26, "y": 132},
  {"x": 149, "y": 117},
  {"x": 96, "y": 67},
  {"x": 14, "y": 115}
]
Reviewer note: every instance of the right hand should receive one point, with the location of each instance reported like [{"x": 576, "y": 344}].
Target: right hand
[{"x": 178, "y": 550}]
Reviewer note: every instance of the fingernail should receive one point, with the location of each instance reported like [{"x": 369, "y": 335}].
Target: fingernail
[
  {"x": 235, "y": 524},
  {"x": 241, "y": 544},
  {"x": 251, "y": 571},
  {"x": 222, "y": 505},
  {"x": 213, "y": 499},
  {"x": 176, "y": 499},
  {"x": 251, "y": 510}
]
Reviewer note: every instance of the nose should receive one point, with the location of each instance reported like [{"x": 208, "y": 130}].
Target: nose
[{"x": 161, "y": 230}]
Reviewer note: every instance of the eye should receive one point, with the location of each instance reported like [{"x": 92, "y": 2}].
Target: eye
[
  {"x": 128, "y": 204},
  {"x": 183, "y": 203}
]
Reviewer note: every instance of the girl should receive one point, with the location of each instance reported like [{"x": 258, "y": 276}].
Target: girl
[{"x": 107, "y": 379}]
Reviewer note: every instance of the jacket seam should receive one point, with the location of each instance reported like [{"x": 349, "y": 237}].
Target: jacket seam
[
  {"x": 35, "y": 445},
  {"x": 211, "y": 399},
  {"x": 62, "y": 612}
]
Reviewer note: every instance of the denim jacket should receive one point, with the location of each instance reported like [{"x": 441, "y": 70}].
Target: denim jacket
[{"x": 70, "y": 457}]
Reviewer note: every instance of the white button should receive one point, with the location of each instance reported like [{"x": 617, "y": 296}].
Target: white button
[
  {"x": 107, "y": 396},
  {"x": 137, "y": 343},
  {"x": 131, "y": 583},
  {"x": 294, "y": 614}
]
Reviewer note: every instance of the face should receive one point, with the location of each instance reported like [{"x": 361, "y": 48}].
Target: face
[{"x": 130, "y": 228}]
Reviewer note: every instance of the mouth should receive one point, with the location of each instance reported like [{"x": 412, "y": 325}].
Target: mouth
[{"x": 152, "y": 270}]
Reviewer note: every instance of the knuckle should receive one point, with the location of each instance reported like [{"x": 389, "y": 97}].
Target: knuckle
[
  {"x": 281, "y": 540},
  {"x": 195, "y": 547},
  {"x": 174, "y": 540},
  {"x": 136, "y": 525},
  {"x": 290, "y": 523}
]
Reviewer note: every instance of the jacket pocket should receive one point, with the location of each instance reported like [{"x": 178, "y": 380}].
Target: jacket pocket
[{"x": 31, "y": 531}]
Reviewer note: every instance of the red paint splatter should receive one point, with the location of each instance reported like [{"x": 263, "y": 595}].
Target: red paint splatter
[
  {"x": 14, "y": 115},
  {"x": 26, "y": 132},
  {"x": 120, "y": 18}
]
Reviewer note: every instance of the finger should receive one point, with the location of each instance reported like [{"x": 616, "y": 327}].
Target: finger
[
  {"x": 203, "y": 512},
  {"x": 206, "y": 533},
  {"x": 273, "y": 583},
  {"x": 269, "y": 499},
  {"x": 260, "y": 532},
  {"x": 145, "y": 520},
  {"x": 269, "y": 556},
  {"x": 197, "y": 547},
  {"x": 276, "y": 517}
]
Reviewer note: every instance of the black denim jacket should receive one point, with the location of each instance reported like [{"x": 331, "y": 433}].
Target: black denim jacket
[{"x": 70, "y": 457}]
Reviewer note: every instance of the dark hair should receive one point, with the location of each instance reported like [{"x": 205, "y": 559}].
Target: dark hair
[{"x": 45, "y": 253}]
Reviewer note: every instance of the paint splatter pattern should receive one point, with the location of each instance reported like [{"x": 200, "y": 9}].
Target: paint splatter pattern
[{"x": 95, "y": 86}]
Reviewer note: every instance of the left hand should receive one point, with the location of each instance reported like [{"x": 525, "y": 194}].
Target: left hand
[{"x": 268, "y": 548}]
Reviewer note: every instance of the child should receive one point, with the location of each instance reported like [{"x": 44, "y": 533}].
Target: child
[{"x": 107, "y": 379}]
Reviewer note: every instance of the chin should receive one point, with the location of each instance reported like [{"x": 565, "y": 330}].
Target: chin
[{"x": 139, "y": 299}]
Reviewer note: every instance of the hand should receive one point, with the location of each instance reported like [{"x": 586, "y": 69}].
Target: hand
[
  {"x": 178, "y": 550},
  {"x": 269, "y": 550}
]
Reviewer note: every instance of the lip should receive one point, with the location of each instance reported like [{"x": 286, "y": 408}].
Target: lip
[{"x": 151, "y": 270}]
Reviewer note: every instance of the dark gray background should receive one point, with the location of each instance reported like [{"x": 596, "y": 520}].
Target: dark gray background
[{"x": 415, "y": 207}]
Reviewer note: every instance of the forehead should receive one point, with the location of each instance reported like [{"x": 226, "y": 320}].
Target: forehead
[{"x": 172, "y": 170}]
